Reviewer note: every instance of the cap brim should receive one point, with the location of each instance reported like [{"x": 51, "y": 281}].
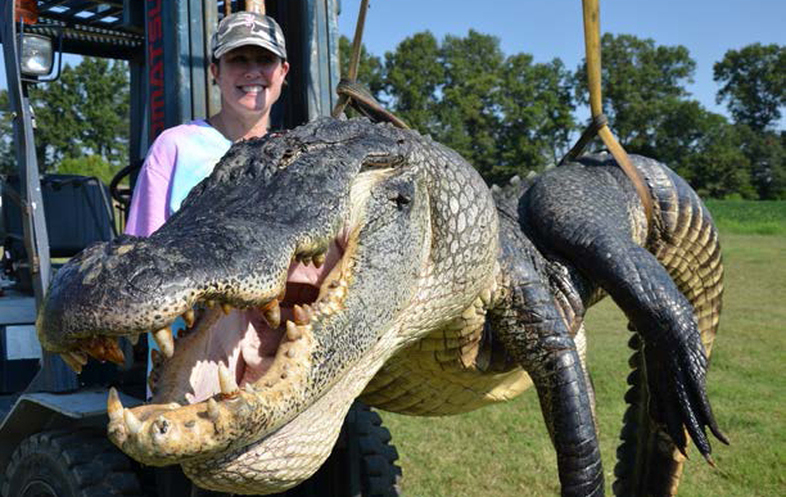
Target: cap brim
[{"x": 274, "y": 49}]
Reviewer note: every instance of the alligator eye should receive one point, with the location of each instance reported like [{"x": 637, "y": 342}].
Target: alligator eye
[
  {"x": 381, "y": 161},
  {"x": 400, "y": 198}
]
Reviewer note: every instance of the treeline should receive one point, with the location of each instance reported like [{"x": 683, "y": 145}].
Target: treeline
[
  {"x": 506, "y": 114},
  {"x": 81, "y": 121},
  {"x": 509, "y": 114}
]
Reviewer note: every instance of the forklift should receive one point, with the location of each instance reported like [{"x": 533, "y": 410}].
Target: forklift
[{"x": 52, "y": 422}]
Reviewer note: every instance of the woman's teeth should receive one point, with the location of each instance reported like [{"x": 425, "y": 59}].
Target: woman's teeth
[{"x": 251, "y": 88}]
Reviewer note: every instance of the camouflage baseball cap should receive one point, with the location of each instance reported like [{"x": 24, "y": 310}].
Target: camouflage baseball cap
[{"x": 248, "y": 28}]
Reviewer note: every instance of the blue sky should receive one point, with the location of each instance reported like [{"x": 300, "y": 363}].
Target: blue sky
[{"x": 553, "y": 28}]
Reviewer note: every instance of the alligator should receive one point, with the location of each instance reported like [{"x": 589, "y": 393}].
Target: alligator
[{"x": 346, "y": 259}]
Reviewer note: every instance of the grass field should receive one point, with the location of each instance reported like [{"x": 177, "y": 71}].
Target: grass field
[{"x": 504, "y": 450}]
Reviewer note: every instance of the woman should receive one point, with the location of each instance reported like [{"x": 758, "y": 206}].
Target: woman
[{"x": 249, "y": 65}]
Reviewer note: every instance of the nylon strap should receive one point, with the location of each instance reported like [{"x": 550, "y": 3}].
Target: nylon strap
[
  {"x": 352, "y": 72},
  {"x": 599, "y": 122},
  {"x": 361, "y": 100}
]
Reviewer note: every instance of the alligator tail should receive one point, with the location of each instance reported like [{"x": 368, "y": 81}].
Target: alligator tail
[{"x": 685, "y": 241}]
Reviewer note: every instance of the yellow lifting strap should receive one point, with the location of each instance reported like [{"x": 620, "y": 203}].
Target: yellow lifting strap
[
  {"x": 599, "y": 122},
  {"x": 352, "y": 71}
]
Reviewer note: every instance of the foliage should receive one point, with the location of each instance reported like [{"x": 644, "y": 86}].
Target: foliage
[
  {"x": 90, "y": 165},
  {"x": 505, "y": 115},
  {"x": 7, "y": 155},
  {"x": 84, "y": 112},
  {"x": 538, "y": 106},
  {"x": 753, "y": 83},
  {"x": 766, "y": 153},
  {"x": 414, "y": 75},
  {"x": 641, "y": 83},
  {"x": 652, "y": 114}
]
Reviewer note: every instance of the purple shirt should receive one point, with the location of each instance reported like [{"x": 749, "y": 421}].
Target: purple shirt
[{"x": 179, "y": 158}]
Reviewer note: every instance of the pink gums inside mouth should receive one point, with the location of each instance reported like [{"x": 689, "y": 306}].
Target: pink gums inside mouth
[{"x": 243, "y": 340}]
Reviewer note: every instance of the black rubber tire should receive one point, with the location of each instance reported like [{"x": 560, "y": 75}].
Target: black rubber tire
[
  {"x": 66, "y": 463},
  {"x": 379, "y": 475}
]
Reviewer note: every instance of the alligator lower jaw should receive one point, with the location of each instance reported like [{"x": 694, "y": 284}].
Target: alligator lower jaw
[
  {"x": 295, "y": 451},
  {"x": 231, "y": 380}
]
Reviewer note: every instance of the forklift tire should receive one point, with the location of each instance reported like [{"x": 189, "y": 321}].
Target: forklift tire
[
  {"x": 379, "y": 476},
  {"x": 66, "y": 463}
]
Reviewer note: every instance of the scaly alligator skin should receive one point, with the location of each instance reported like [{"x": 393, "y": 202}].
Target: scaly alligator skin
[{"x": 401, "y": 278}]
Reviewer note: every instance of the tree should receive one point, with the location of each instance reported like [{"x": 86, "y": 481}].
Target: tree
[
  {"x": 7, "y": 156},
  {"x": 720, "y": 169},
  {"x": 641, "y": 81},
  {"x": 470, "y": 108},
  {"x": 505, "y": 115},
  {"x": 753, "y": 83},
  {"x": 414, "y": 73},
  {"x": 537, "y": 106},
  {"x": 767, "y": 156},
  {"x": 89, "y": 165},
  {"x": 84, "y": 112}
]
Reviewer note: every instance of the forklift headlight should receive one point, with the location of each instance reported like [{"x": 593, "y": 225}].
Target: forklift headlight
[{"x": 37, "y": 55}]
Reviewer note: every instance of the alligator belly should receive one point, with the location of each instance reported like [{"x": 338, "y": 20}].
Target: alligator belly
[{"x": 446, "y": 373}]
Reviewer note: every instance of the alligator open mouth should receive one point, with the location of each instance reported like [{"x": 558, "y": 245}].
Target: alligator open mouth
[
  {"x": 229, "y": 349},
  {"x": 228, "y": 363}
]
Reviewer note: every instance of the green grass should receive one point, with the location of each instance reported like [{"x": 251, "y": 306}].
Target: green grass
[
  {"x": 766, "y": 217},
  {"x": 504, "y": 450}
]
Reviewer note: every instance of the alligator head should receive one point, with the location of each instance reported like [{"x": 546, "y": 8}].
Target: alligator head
[{"x": 336, "y": 245}]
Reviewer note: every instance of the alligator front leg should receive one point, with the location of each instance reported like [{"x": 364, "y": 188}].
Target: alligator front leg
[{"x": 534, "y": 333}]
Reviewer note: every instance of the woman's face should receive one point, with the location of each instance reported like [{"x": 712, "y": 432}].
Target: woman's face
[{"x": 250, "y": 79}]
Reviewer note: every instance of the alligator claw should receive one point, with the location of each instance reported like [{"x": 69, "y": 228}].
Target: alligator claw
[{"x": 678, "y": 394}]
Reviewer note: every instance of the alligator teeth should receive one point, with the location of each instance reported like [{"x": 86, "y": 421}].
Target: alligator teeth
[
  {"x": 210, "y": 304},
  {"x": 272, "y": 313},
  {"x": 293, "y": 332},
  {"x": 189, "y": 317},
  {"x": 103, "y": 349},
  {"x": 305, "y": 260},
  {"x": 114, "y": 407},
  {"x": 339, "y": 292},
  {"x": 226, "y": 380},
  {"x": 132, "y": 422},
  {"x": 133, "y": 339},
  {"x": 319, "y": 259},
  {"x": 485, "y": 296},
  {"x": 212, "y": 409},
  {"x": 74, "y": 360},
  {"x": 301, "y": 316},
  {"x": 165, "y": 342},
  {"x": 226, "y": 308},
  {"x": 249, "y": 388}
]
